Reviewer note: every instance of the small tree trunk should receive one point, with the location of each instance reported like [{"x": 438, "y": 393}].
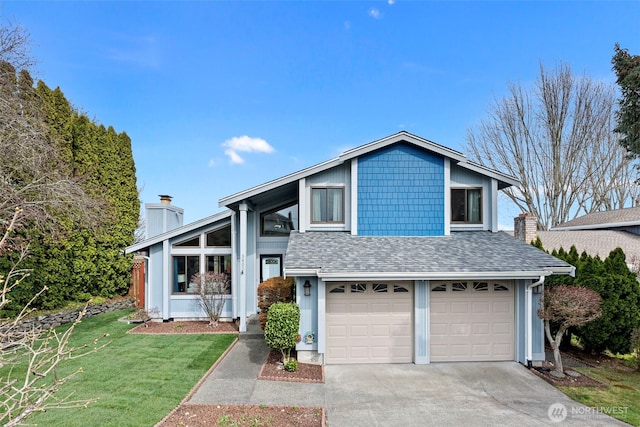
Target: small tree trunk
[{"x": 555, "y": 346}]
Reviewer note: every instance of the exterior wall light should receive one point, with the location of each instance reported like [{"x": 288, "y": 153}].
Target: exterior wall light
[{"x": 307, "y": 288}]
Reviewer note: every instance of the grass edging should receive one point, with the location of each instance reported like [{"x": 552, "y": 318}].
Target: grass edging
[{"x": 199, "y": 383}]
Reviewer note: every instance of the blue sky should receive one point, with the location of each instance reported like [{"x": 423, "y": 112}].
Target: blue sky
[{"x": 220, "y": 96}]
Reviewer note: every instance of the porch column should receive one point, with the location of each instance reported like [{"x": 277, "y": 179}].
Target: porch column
[
  {"x": 242, "y": 289},
  {"x": 166, "y": 280}
]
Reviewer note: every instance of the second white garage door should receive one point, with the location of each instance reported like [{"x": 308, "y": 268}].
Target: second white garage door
[
  {"x": 471, "y": 321},
  {"x": 369, "y": 323}
]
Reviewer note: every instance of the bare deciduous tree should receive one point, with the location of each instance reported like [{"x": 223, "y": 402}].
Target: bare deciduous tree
[
  {"x": 15, "y": 46},
  {"x": 29, "y": 357},
  {"x": 558, "y": 140},
  {"x": 33, "y": 188},
  {"x": 212, "y": 290},
  {"x": 566, "y": 306}
]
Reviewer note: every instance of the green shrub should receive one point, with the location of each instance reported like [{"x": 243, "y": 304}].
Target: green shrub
[
  {"x": 291, "y": 366},
  {"x": 271, "y": 291},
  {"x": 281, "y": 330},
  {"x": 620, "y": 292}
]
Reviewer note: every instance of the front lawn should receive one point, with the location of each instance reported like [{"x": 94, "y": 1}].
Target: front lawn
[
  {"x": 137, "y": 379},
  {"x": 621, "y": 397}
]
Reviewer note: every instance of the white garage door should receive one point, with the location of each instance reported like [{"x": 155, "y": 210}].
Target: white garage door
[
  {"x": 471, "y": 321},
  {"x": 369, "y": 323}
]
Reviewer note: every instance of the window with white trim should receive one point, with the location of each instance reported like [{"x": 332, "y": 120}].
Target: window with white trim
[
  {"x": 327, "y": 205},
  {"x": 466, "y": 205}
]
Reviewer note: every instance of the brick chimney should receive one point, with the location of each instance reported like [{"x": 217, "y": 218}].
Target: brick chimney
[{"x": 525, "y": 227}]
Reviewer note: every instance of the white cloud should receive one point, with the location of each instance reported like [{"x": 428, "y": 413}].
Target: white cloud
[
  {"x": 245, "y": 144},
  {"x": 375, "y": 13},
  {"x": 391, "y": 2}
]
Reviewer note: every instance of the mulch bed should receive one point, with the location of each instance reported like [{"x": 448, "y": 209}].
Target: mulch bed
[
  {"x": 184, "y": 327},
  {"x": 581, "y": 381},
  {"x": 273, "y": 370},
  {"x": 192, "y": 415}
]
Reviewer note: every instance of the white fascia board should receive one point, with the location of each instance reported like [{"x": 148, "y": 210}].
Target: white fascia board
[
  {"x": 287, "y": 179},
  {"x": 465, "y": 275},
  {"x": 178, "y": 231},
  {"x": 295, "y": 272},
  {"x": 407, "y": 137},
  {"x": 507, "y": 179},
  {"x": 602, "y": 226}
]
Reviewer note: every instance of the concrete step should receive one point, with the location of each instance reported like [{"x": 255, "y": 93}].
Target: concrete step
[{"x": 253, "y": 329}]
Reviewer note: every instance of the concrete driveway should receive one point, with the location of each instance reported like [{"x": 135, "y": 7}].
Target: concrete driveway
[
  {"x": 442, "y": 394},
  {"x": 449, "y": 394}
]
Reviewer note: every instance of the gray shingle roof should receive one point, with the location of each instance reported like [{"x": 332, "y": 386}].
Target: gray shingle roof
[
  {"x": 594, "y": 242},
  {"x": 604, "y": 219},
  {"x": 334, "y": 254}
]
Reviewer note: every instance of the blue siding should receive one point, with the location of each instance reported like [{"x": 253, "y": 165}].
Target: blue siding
[{"x": 401, "y": 192}]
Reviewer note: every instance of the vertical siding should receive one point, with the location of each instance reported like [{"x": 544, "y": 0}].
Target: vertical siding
[
  {"x": 421, "y": 323},
  {"x": 537, "y": 330},
  {"x": 401, "y": 193},
  {"x": 155, "y": 291},
  {"x": 308, "y": 311},
  {"x": 520, "y": 312}
]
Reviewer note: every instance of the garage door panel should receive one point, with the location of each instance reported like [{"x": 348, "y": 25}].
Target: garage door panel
[
  {"x": 473, "y": 324},
  {"x": 502, "y": 307},
  {"x": 379, "y": 327},
  {"x": 379, "y": 309},
  {"x": 380, "y": 331},
  {"x": 358, "y": 309},
  {"x": 458, "y": 307},
  {"x": 338, "y": 331},
  {"x": 481, "y": 329},
  {"x": 481, "y": 307},
  {"x": 357, "y": 331}
]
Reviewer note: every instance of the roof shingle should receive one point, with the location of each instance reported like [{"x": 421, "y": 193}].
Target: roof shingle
[{"x": 333, "y": 253}]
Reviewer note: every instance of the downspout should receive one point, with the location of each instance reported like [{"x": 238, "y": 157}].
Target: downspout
[{"x": 529, "y": 323}]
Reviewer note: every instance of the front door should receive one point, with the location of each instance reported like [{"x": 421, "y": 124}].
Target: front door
[{"x": 270, "y": 266}]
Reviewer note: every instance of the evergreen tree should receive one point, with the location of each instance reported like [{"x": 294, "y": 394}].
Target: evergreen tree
[
  {"x": 620, "y": 293},
  {"x": 627, "y": 69}
]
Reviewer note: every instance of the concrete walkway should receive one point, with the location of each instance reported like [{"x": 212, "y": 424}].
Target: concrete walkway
[{"x": 478, "y": 394}]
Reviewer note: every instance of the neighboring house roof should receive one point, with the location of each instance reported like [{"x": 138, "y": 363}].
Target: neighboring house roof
[
  {"x": 608, "y": 219},
  {"x": 594, "y": 242},
  {"x": 403, "y": 136},
  {"x": 473, "y": 255},
  {"x": 178, "y": 231}
]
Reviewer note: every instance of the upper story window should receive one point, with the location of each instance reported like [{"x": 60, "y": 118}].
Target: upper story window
[
  {"x": 219, "y": 238},
  {"x": 327, "y": 205},
  {"x": 279, "y": 222},
  {"x": 191, "y": 243},
  {"x": 466, "y": 205}
]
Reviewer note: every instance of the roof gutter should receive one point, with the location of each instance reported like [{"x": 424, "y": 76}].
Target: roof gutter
[{"x": 427, "y": 275}]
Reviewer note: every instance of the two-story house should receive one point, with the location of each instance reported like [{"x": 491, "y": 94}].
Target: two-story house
[{"x": 395, "y": 251}]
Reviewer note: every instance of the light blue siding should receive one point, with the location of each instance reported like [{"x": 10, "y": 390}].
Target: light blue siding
[
  {"x": 154, "y": 280},
  {"x": 401, "y": 192},
  {"x": 421, "y": 322},
  {"x": 308, "y": 312},
  {"x": 465, "y": 177},
  {"x": 188, "y": 308},
  {"x": 537, "y": 327},
  {"x": 520, "y": 312}
]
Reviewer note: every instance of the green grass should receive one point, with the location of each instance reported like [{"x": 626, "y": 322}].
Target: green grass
[
  {"x": 622, "y": 392},
  {"x": 137, "y": 379}
]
